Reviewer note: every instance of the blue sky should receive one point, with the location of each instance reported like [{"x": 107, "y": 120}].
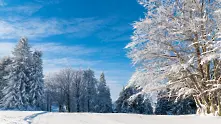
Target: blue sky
[{"x": 74, "y": 33}]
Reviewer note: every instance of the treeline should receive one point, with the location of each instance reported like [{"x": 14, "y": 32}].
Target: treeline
[
  {"x": 78, "y": 91},
  {"x": 167, "y": 105},
  {"x": 24, "y": 87},
  {"x": 131, "y": 101}
]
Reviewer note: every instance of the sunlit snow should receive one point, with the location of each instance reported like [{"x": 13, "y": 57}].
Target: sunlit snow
[{"x": 14, "y": 117}]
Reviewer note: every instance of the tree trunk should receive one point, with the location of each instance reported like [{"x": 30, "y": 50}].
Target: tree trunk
[{"x": 68, "y": 103}]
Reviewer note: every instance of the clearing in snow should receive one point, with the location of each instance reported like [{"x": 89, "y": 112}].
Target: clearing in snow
[{"x": 16, "y": 117}]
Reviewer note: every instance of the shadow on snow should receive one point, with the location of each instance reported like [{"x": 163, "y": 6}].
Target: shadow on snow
[{"x": 31, "y": 117}]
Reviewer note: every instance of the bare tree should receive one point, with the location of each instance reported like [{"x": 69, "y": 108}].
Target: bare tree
[{"x": 73, "y": 89}]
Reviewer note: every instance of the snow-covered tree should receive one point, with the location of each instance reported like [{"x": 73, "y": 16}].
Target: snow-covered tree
[
  {"x": 88, "y": 91},
  {"x": 78, "y": 89},
  {"x": 59, "y": 89},
  {"x": 36, "y": 81},
  {"x": 16, "y": 94},
  {"x": 121, "y": 104},
  {"x": 4, "y": 64},
  {"x": 104, "y": 103},
  {"x": 139, "y": 104},
  {"x": 168, "y": 106},
  {"x": 72, "y": 90},
  {"x": 65, "y": 81},
  {"x": 130, "y": 101},
  {"x": 178, "y": 43},
  {"x": 51, "y": 94}
]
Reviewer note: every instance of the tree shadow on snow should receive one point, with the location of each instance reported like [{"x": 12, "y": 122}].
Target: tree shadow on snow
[{"x": 31, "y": 117}]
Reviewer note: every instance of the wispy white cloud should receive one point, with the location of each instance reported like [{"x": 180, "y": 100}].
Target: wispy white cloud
[
  {"x": 31, "y": 28},
  {"x": 114, "y": 36},
  {"x": 56, "y": 48},
  {"x": 55, "y": 64},
  {"x": 70, "y": 62},
  {"x": 50, "y": 47},
  {"x": 48, "y": 1},
  {"x": 116, "y": 33},
  {"x": 56, "y": 55},
  {"x": 21, "y": 9},
  {"x": 40, "y": 28},
  {"x": 16, "y": 25}
]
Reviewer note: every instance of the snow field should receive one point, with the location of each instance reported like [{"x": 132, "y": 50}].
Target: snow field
[{"x": 14, "y": 117}]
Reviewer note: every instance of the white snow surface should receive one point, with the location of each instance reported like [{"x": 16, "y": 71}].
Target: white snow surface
[{"x": 18, "y": 117}]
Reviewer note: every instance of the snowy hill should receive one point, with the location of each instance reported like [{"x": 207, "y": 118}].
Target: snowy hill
[{"x": 15, "y": 117}]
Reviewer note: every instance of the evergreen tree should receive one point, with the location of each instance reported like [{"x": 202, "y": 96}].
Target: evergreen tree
[
  {"x": 37, "y": 82},
  {"x": 163, "y": 104},
  {"x": 170, "y": 106},
  {"x": 104, "y": 97},
  {"x": 4, "y": 64},
  {"x": 88, "y": 91},
  {"x": 16, "y": 94},
  {"x": 184, "y": 106},
  {"x": 139, "y": 104},
  {"x": 122, "y": 103}
]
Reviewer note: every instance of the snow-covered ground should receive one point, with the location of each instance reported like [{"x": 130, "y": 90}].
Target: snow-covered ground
[{"x": 13, "y": 117}]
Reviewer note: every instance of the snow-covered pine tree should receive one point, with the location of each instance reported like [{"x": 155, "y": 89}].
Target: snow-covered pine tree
[
  {"x": 104, "y": 103},
  {"x": 4, "y": 64},
  {"x": 88, "y": 91},
  {"x": 36, "y": 82},
  {"x": 139, "y": 104},
  {"x": 121, "y": 103},
  {"x": 131, "y": 102},
  {"x": 163, "y": 105},
  {"x": 178, "y": 42},
  {"x": 16, "y": 94},
  {"x": 169, "y": 106}
]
